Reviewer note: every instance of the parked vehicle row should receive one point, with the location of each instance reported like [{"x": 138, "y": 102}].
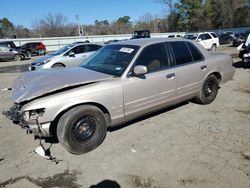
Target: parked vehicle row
[
  {"x": 11, "y": 48},
  {"x": 120, "y": 82},
  {"x": 208, "y": 40},
  {"x": 239, "y": 39}
]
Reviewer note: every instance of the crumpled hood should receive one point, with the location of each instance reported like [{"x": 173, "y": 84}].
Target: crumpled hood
[
  {"x": 42, "y": 59},
  {"x": 37, "y": 83}
]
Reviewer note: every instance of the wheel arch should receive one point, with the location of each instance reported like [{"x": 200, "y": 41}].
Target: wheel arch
[
  {"x": 54, "y": 123},
  {"x": 58, "y": 63},
  {"x": 217, "y": 75}
]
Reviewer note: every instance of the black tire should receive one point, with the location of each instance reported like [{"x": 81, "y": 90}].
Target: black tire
[
  {"x": 82, "y": 129},
  {"x": 208, "y": 91},
  {"x": 17, "y": 57},
  {"x": 58, "y": 65}
]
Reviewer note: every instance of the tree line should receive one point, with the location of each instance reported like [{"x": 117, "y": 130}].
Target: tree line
[
  {"x": 181, "y": 15},
  {"x": 199, "y": 15}
]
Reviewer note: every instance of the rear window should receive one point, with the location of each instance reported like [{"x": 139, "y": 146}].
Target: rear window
[
  {"x": 181, "y": 52},
  {"x": 207, "y": 36},
  {"x": 214, "y": 35}
]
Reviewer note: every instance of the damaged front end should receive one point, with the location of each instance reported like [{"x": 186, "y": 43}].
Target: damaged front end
[
  {"x": 28, "y": 120},
  {"x": 15, "y": 116}
]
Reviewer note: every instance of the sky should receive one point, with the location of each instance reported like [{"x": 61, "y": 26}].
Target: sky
[{"x": 25, "y": 12}]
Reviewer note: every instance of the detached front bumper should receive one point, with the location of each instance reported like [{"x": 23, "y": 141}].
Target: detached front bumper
[
  {"x": 15, "y": 115},
  {"x": 18, "y": 117}
]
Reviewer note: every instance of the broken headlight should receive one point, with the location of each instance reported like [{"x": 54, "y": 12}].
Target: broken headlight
[{"x": 32, "y": 115}]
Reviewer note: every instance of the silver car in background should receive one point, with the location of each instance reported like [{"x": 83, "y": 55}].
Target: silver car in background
[
  {"x": 69, "y": 56},
  {"x": 122, "y": 81}
]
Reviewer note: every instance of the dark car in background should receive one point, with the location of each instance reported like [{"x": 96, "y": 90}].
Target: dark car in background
[
  {"x": 37, "y": 48},
  {"x": 240, "y": 38},
  {"x": 24, "y": 54},
  {"x": 225, "y": 38},
  {"x": 141, "y": 34},
  {"x": 7, "y": 53}
]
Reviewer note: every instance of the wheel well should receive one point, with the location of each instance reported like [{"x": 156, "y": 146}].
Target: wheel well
[
  {"x": 217, "y": 74},
  {"x": 54, "y": 123},
  {"x": 59, "y": 63}
]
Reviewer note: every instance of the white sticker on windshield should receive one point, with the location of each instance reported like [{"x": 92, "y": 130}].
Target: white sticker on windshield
[
  {"x": 118, "y": 68},
  {"x": 126, "y": 50}
]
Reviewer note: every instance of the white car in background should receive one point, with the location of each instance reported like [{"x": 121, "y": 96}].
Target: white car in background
[
  {"x": 208, "y": 40},
  {"x": 69, "y": 56}
]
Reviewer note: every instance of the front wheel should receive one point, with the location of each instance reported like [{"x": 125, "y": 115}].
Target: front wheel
[
  {"x": 208, "y": 91},
  {"x": 82, "y": 129},
  {"x": 58, "y": 65},
  {"x": 17, "y": 57}
]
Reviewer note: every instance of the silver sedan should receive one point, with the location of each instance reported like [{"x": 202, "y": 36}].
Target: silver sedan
[{"x": 122, "y": 81}]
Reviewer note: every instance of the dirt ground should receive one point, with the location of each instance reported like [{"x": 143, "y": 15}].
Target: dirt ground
[{"x": 189, "y": 145}]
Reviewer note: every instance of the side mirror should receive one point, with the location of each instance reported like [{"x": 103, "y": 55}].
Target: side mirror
[
  {"x": 71, "y": 54},
  {"x": 11, "y": 49},
  {"x": 199, "y": 40},
  {"x": 140, "y": 70}
]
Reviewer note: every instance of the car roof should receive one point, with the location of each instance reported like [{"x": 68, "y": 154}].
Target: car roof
[
  {"x": 146, "y": 41},
  {"x": 80, "y": 44}
]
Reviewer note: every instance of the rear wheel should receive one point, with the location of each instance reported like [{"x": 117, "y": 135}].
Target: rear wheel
[
  {"x": 82, "y": 129},
  {"x": 208, "y": 91}
]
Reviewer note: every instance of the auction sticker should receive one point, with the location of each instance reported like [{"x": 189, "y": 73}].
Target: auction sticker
[{"x": 126, "y": 50}]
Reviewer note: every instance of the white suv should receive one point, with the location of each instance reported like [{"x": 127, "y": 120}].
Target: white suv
[{"x": 208, "y": 40}]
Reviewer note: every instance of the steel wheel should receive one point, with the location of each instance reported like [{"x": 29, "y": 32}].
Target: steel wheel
[
  {"x": 83, "y": 128},
  {"x": 208, "y": 91}
]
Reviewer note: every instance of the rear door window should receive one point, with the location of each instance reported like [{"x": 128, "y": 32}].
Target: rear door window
[
  {"x": 181, "y": 52},
  {"x": 196, "y": 54},
  {"x": 79, "y": 49},
  {"x": 214, "y": 35},
  {"x": 207, "y": 36}
]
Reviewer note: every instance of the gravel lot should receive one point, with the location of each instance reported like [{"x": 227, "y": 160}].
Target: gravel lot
[{"x": 189, "y": 145}]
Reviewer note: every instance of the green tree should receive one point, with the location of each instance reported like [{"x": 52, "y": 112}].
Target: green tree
[
  {"x": 123, "y": 25},
  {"x": 190, "y": 14},
  {"x": 6, "y": 27},
  {"x": 213, "y": 13}
]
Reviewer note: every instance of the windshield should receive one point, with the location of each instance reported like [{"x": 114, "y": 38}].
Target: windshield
[
  {"x": 111, "y": 59},
  {"x": 62, "y": 50},
  {"x": 190, "y": 37}
]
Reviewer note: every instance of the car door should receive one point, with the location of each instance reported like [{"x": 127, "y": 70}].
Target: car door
[
  {"x": 152, "y": 90},
  {"x": 190, "y": 68},
  {"x": 77, "y": 58}
]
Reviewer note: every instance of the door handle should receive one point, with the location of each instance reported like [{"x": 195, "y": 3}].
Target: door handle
[
  {"x": 204, "y": 67},
  {"x": 172, "y": 75}
]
